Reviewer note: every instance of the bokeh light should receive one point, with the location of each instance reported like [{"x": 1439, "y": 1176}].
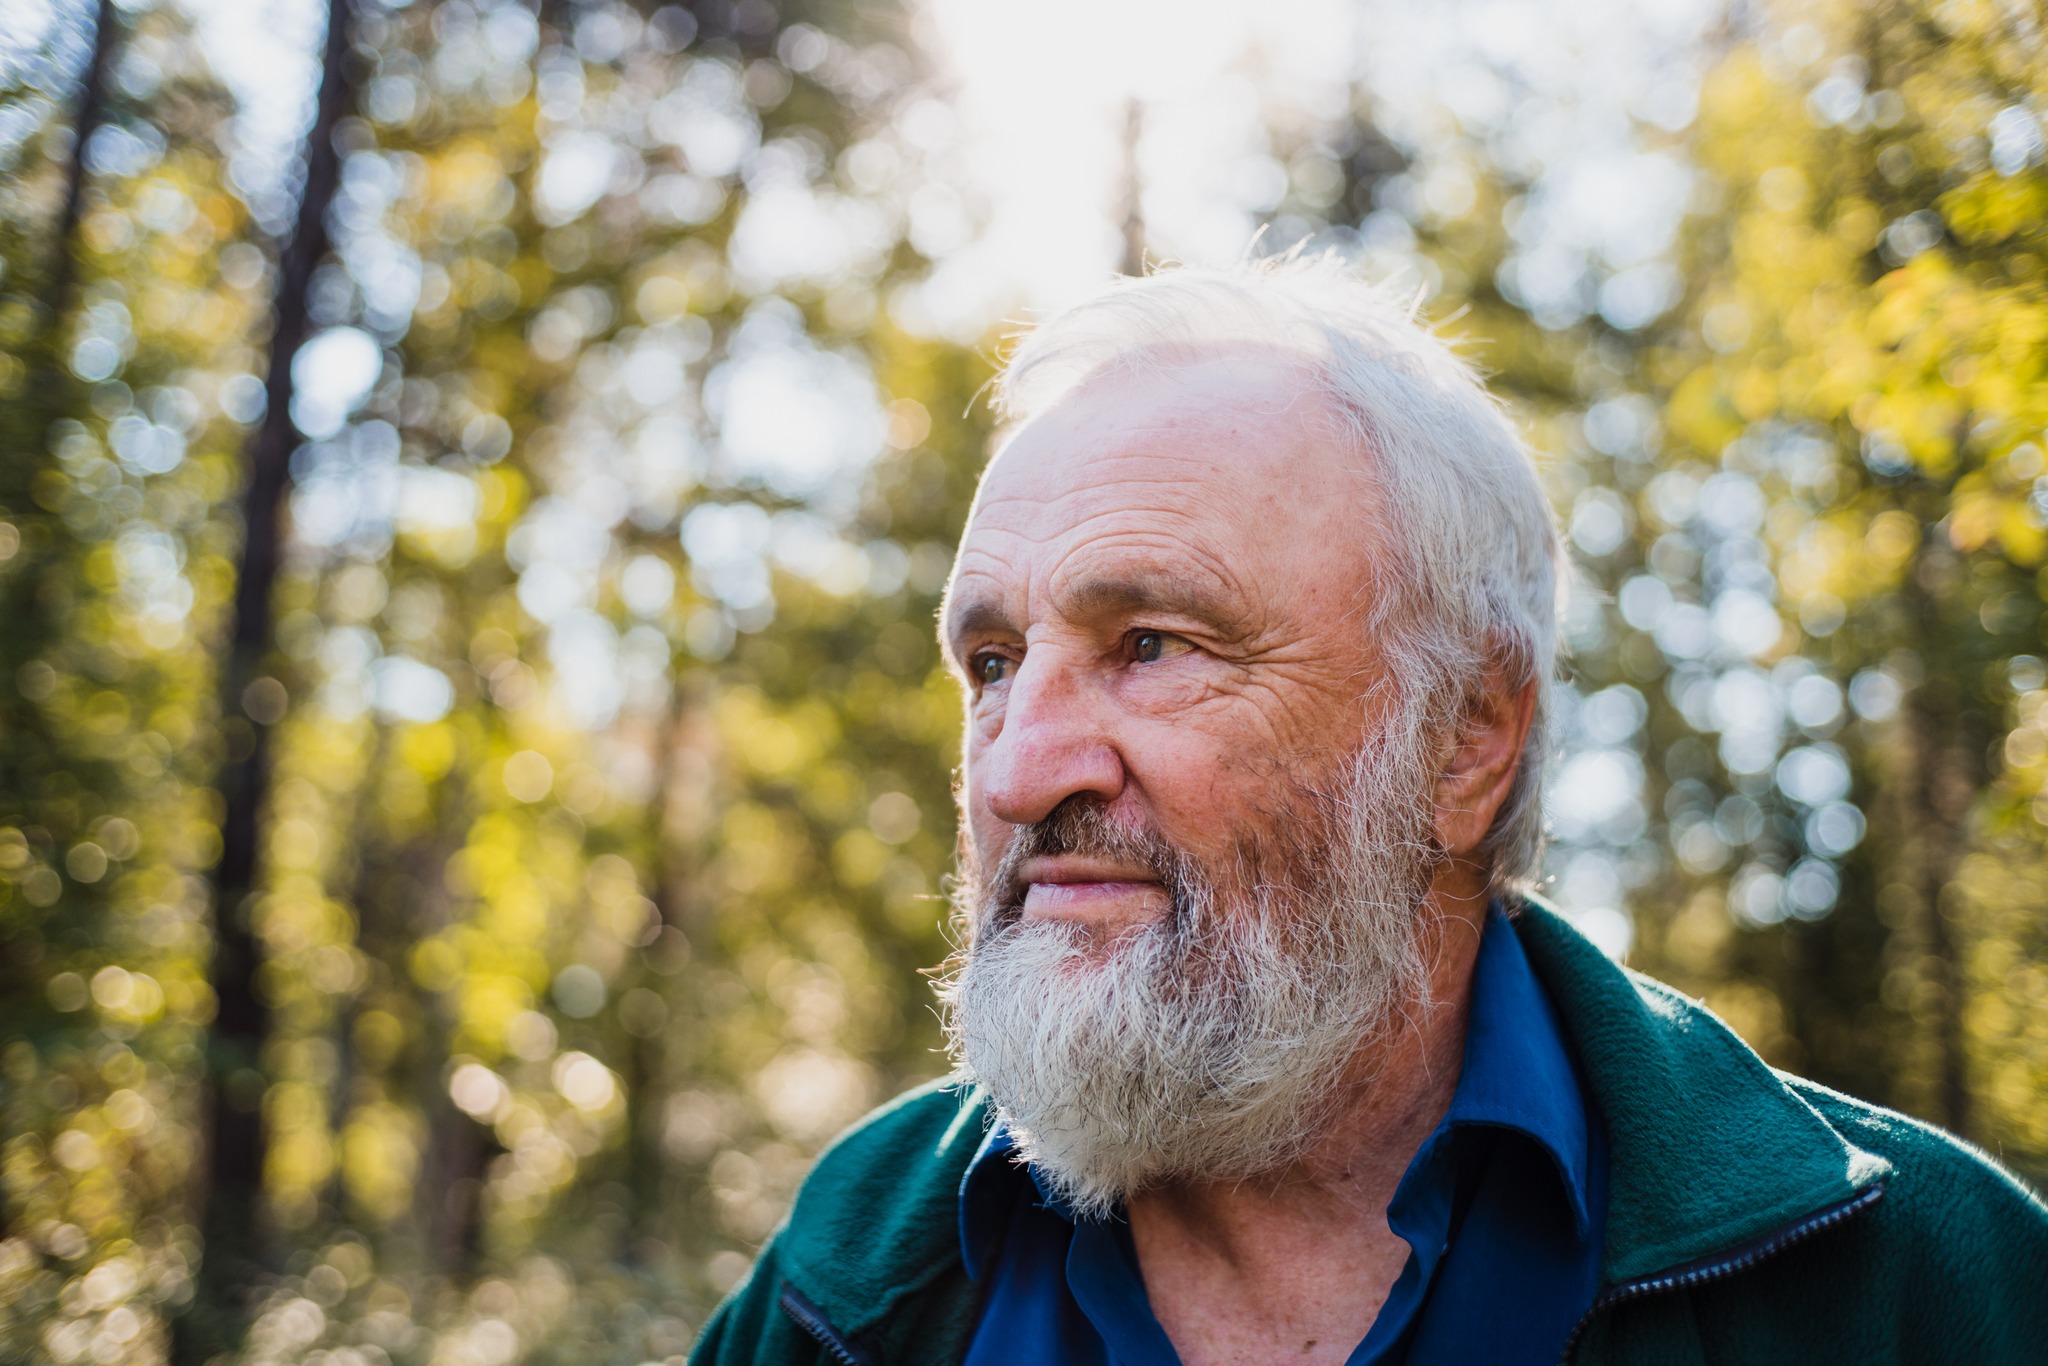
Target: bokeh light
[{"x": 602, "y": 753}]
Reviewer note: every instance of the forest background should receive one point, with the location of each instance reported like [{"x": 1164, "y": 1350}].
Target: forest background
[{"x": 474, "y": 766}]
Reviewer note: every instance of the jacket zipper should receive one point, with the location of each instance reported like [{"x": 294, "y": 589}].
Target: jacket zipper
[
  {"x": 1688, "y": 1276},
  {"x": 812, "y": 1320}
]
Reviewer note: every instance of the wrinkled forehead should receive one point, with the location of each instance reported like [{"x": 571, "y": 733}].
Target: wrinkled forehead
[
  {"x": 1234, "y": 471},
  {"x": 1177, "y": 427}
]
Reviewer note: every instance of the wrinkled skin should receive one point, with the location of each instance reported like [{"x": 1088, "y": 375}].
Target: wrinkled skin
[{"x": 1160, "y": 604}]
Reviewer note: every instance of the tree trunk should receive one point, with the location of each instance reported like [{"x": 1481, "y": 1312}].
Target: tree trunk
[
  {"x": 1940, "y": 788},
  {"x": 1133, "y": 226},
  {"x": 1945, "y": 778},
  {"x": 234, "y": 1159},
  {"x": 34, "y": 624},
  {"x": 676, "y": 820},
  {"x": 648, "y": 1057},
  {"x": 92, "y": 113}
]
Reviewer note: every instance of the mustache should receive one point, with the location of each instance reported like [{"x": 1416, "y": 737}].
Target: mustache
[{"x": 1083, "y": 825}]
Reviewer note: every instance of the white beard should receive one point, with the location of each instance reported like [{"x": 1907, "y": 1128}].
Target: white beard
[{"x": 1214, "y": 1042}]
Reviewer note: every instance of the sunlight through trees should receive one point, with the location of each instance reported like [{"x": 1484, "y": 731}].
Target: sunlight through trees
[{"x": 474, "y": 762}]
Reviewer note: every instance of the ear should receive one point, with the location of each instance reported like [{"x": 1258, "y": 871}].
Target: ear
[{"x": 1481, "y": 761}]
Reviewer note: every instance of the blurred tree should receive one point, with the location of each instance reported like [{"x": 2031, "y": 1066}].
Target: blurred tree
[
  {"x": 251, "y": 702},
  {"x": 583, "y": 912},
  {"x": 119, "y": 252},
  {"x": 608, "y": 753},
  {"x": 1131, "y": 213},
  {"x": 1809, "y": 492},
  {"x": 90, "y": 116}
]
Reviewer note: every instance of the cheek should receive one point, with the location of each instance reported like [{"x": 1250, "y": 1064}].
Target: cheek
[
  {"x": 1178, "y": 689},
  {"x": 1190, "y": 777},
  {"x": 1208, "y": 791},
  {"x": 983, "y": 839},
  {"x": 981, "y": 832},
  {"x": 984, "y": 723}
]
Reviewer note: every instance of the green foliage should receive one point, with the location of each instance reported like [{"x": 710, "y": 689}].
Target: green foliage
[
  {"x": 120, "y": 431},
  {"x": 609, "y": 797},
  {"x": 1833, "y": 577},
  {"x": 612, "y": 795},
  {"x": 594, "y": 878}
]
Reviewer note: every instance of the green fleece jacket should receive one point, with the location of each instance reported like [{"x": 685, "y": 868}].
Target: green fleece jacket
[{"x": 1752, "y": 1218}]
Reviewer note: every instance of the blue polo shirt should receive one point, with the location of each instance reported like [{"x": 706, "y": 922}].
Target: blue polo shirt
[{"x": 1503, "y": 1208}]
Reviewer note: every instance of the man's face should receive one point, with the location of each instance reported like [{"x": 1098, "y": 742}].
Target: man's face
[
  {"x": 1196, "y": 853},
  {"x": 1159, "y": 606}
]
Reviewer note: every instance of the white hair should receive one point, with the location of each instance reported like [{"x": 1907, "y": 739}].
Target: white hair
[{"x": 1468, "y": 545}]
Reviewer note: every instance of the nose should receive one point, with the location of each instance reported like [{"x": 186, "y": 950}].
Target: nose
[{"x": 1055, "y": 743}]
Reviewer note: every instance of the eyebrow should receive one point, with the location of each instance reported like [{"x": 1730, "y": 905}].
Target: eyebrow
[
  {"x": 1120, "y": 595},
  {"x": 973, "y": 617},
  {"x": 1096, "y": 597}
]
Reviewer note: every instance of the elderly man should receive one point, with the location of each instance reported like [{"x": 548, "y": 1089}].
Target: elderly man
[{"x": 1264, "y": 1054}]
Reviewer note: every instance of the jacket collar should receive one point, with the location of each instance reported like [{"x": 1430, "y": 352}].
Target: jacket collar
[
  {"x": 1709, "y": 1148},
  {"x": 877, "y": 1220}
]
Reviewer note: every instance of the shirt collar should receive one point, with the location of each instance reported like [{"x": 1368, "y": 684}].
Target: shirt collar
[
  {"x": 1517, "y": 1074},
  {"x": 987, "y": 1190}
]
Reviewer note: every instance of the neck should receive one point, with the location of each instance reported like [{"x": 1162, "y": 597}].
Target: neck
[{"x": 1305, "y": 1255}]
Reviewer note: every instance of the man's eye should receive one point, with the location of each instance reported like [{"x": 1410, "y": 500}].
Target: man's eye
[
  {"x": 990, "y": 668},
  {"x": 1149, "y": 647}
]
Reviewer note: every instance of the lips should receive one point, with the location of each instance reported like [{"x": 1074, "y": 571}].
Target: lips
[
  {"x": 1081, "y": 888},
  {"x": 1070, "y": 869},
  {"x": 1081, "y": 867},
  {"x": 1082, "y": 898}
]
